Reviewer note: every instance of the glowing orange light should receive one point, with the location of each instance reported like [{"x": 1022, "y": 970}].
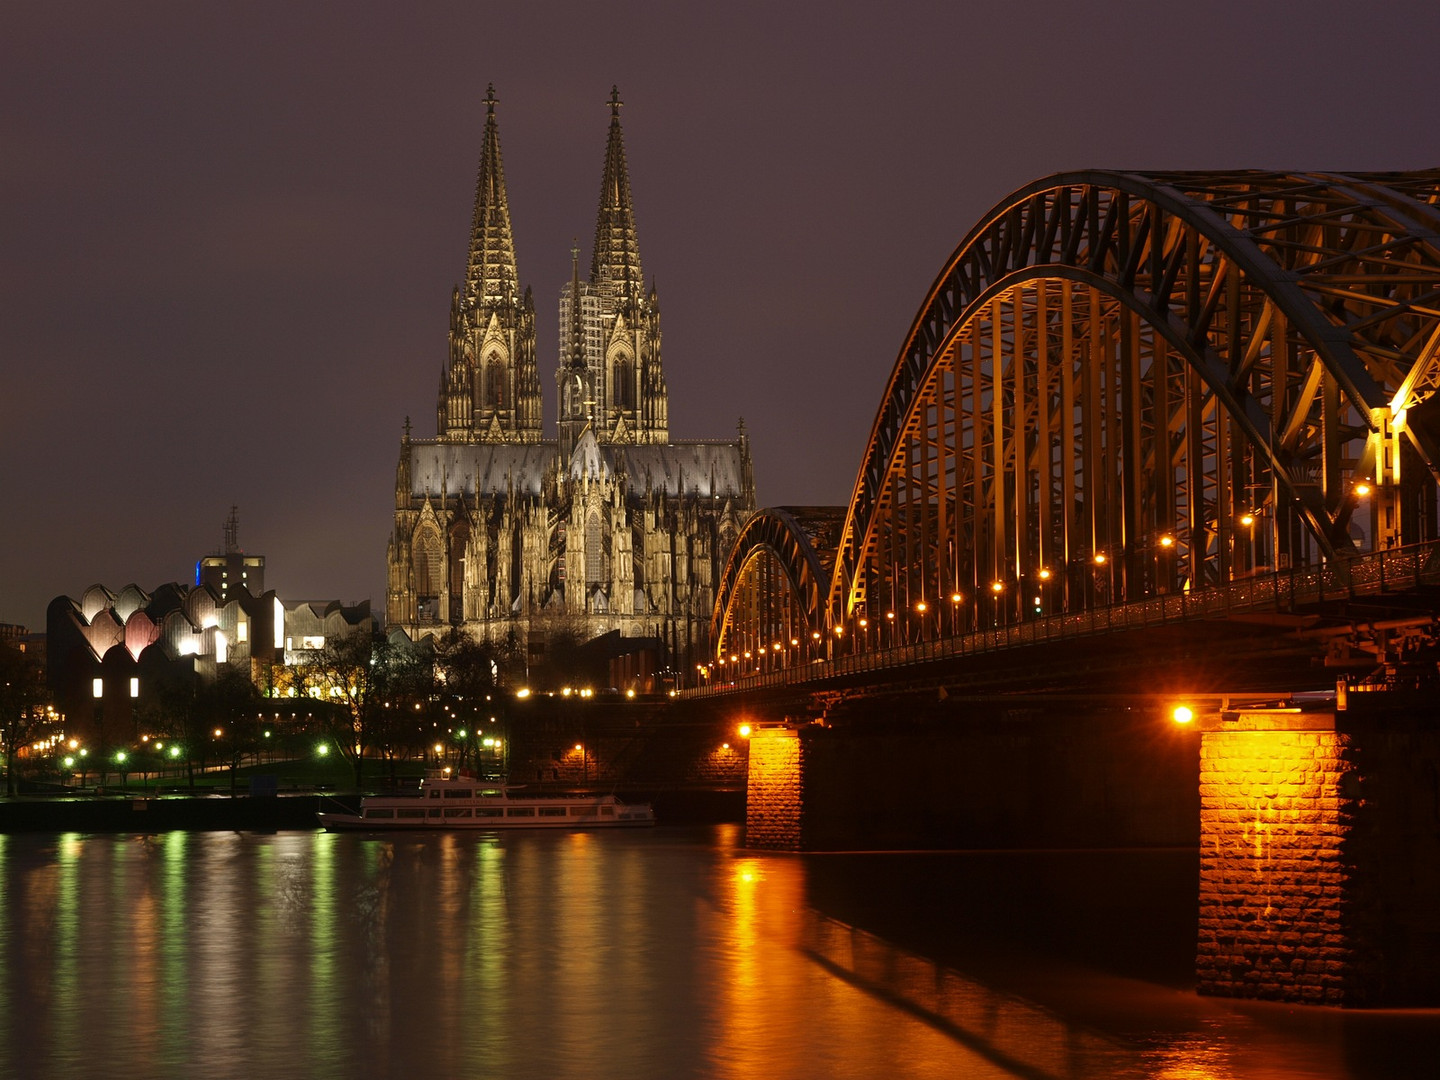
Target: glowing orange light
[
  {"x": 1100, "y": 558},
  {"x": 744, "y": 731},
  {"x": 889, "y": 615},
  {"x": 1044, "y": 574},
  {"x": 1362, "y": 489},
  {"x": 1183, "y": 714},
  {"x": 1167, "y": 541},
  {"x": 955, "y": 598},
  {"x": 997, "y": 587},
  {"x": 1247, "y": 520},
  {"x": 580, "y": 747},
  {"x": 921, "y": 607}
]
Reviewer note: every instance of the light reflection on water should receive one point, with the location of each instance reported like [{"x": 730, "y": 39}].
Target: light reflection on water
[{"x": 662, "y": 953}]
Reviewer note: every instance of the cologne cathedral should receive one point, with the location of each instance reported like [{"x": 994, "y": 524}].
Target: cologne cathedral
[{"x": 612, "y": 526}]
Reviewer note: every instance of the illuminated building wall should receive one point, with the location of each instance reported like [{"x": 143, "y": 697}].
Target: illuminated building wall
[
  {"x": 1320, "y": 858},
  {"x": 128, "y": 643}
]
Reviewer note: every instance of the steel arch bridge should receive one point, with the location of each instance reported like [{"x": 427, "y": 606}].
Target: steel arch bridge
[{"x": 1124, "y": 385}]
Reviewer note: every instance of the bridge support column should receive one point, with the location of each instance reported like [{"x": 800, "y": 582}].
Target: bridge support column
[
  {"x": 1319, "y": 858},
  {"x": 775, "y": 790}
]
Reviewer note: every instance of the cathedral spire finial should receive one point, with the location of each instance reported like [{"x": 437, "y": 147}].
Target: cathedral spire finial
[
  {"x": 616, "y": 260},
  {"x": 491, "y": 271}
]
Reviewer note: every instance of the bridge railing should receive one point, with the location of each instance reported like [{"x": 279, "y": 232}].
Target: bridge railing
[{"x": 1395, "y": 570}]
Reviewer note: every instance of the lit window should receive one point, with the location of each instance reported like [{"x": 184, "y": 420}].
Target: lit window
[
  {"x": 134, "y": 687},
  {"x": 242, "y": 631},
  {"x": 97, "y": 687}
]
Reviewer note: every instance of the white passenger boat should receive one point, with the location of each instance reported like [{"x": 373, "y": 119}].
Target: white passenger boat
[{"x": 466, "y": 803}]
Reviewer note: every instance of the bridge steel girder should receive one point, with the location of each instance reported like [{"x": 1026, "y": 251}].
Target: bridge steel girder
[
  {"x": 776, "y": 581},
  {"x": 1124, "y": 384}
]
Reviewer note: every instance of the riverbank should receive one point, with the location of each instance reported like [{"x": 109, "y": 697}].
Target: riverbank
[{"x": 134, "y": 812}]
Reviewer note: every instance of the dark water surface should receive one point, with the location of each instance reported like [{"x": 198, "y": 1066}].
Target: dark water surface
[{"x": 655, "y": 953}]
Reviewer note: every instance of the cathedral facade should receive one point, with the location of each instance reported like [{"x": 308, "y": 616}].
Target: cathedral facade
[{"x": 610, "y": 526}]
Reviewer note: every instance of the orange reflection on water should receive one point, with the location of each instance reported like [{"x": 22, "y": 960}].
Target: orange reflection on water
[{"x": 789, "y": 1011}]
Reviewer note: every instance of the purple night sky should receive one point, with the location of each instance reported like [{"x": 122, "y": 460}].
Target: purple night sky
[{"x": 228, "y": 232}]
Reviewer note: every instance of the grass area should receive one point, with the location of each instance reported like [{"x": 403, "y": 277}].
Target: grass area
[{"x": 310, "y": 773}]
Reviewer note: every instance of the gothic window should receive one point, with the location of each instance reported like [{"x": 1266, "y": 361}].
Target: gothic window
[
  {"x": 624, "y": 389},
  {"x": 594, "y": 551},
  {"x": 429, "y": 564},
  {"x": 459, "y": 541},
  {"x": 495, "y": 383}
]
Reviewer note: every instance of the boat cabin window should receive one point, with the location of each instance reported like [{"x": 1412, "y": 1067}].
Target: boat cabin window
[
  {"x": 609, "y": 811},
  {"x": 490, "y": 811},
  {"x": 457, "y": 811},
  {"x": 520, "y": 811},
  {"x": 552, "y": 811},
  {"x": 434, "y": 793},
  {"x": 582, "y": 811},
  {"x": 378, "y": 813},
  {"x": 458, "y": 793},
  {"x": 435, "y": 812},
  {"x": 410, "y": 813}
]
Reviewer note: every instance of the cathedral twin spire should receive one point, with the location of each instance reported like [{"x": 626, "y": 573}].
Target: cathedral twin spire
[
  {"x": 609, "y": 373},
  {"x": 615, "y": 266},
  {"x": 491, "y": 272}
]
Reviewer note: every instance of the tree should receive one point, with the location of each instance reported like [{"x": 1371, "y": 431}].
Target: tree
[
  {"x": 228, "y": 706},
  {"x": 406, "y": 678},
  {"x": 467, "y": 675},
  {"x": 23, "y": 699},
  {"x": 352, "y": 672}
]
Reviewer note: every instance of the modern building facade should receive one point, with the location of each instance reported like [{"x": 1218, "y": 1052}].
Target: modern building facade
[
  {"x": 230, "y": 566},
  {"x": 609, "y": 526},
  {"x": 110, "y": 653}
]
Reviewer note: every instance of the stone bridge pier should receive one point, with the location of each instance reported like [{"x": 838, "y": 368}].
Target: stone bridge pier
[
  {"x": 1320, "y": 855},
  {"x": 1318, "y": 829}
]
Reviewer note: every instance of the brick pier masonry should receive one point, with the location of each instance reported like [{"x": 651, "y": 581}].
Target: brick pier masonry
[{"x": 1320, "y": 858}]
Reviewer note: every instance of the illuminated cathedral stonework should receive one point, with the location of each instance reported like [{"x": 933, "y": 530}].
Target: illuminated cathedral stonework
[{"x": 611, "y": 526}]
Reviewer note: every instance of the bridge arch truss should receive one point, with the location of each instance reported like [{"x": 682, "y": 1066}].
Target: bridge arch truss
[
  {"x": 1127, "y": 384},
  {"x": 1124, "y": 384}
]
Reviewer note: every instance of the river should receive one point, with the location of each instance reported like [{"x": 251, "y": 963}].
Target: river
[{"x": 664, "y": 953}]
